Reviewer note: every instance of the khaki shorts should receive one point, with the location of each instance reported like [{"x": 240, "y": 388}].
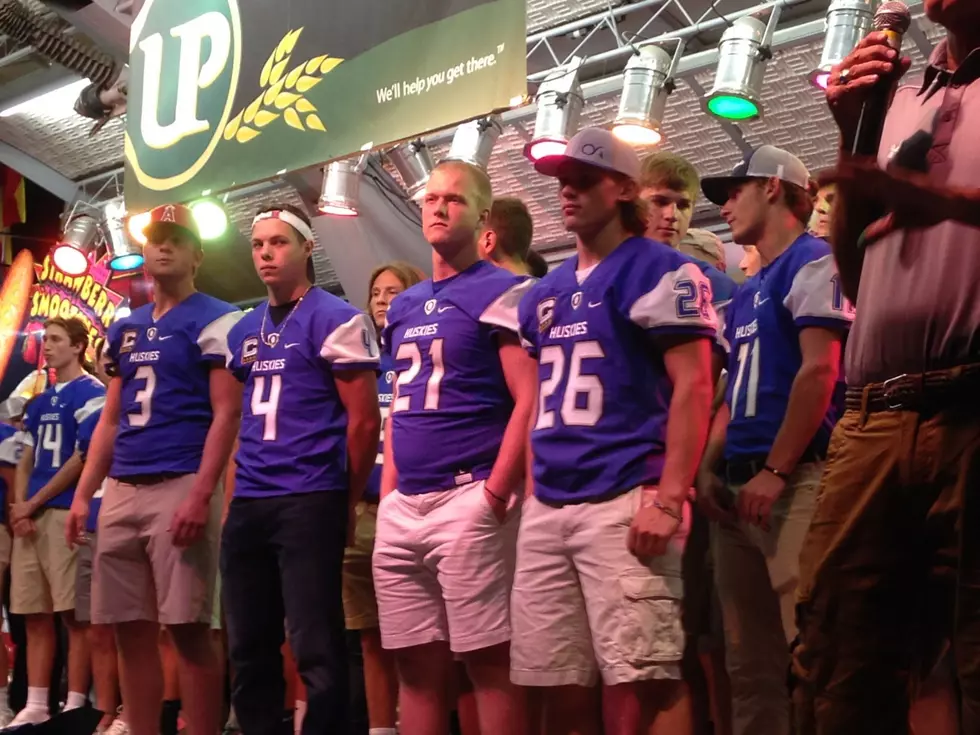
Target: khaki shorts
[
  {"x": 43, "y": 568},
  {"x": 5, "y": 544},
  {"x": 83, "y": 581},
  {"x": 583, "y": 604},
  {"x": 138, "y": 573},
  {"x": 360, "y": 604}
]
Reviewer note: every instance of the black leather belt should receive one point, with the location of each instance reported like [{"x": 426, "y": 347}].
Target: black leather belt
[
  {"x": 921, "y": 393},
  {"x": 740, "y": 470},
  {"x": 150, "y": 478}
]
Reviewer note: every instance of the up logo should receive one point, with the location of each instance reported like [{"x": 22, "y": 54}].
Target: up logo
[{"x": 187, "y": 57}]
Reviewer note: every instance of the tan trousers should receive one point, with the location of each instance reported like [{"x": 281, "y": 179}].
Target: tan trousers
[{"x": 756, "y": 574}]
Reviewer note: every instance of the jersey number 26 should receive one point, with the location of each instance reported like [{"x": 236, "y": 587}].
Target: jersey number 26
[{"x": 580, "y": 388}]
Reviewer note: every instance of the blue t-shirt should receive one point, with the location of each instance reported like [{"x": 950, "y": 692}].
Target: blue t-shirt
[
  {"x": 452, "y": 403},
  {"x": 372, "y": 493},
  {"x": 293, "y": 436},
  {"x": 604, "y": 392},
  {"x": 10, "y": 450},
  {"x": 799, "y": 289},
  {"x": 85, "y": 431},
  {"x": 165, "y": 366},
  {"x": 51, "y": 425}
]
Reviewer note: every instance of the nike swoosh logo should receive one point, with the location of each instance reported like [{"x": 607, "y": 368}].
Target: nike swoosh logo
[
  {"x": 445, "y": 308},
  {"x": 167, "y": 337},
  {"x": 595, "y": 304},
  {"x": 763, "y": 301},
  {"x": 292, "y": 344}
]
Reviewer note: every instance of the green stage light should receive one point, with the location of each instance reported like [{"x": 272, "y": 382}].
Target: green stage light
[
  {"x": 742, "y": 54},
  {"x": 211, "y": 218},
  {"x": 729, "y": 107}
]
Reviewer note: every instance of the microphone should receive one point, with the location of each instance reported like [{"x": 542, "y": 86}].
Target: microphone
[{"x": 894, "y": 19}]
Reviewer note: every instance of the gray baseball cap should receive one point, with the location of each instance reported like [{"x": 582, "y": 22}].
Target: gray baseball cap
[
  {"x": 596, "y": 147},
  {"x": 764, "y": 162}
]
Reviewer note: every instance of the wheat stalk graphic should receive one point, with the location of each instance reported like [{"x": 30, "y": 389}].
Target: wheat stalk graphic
[{"x": 282, "y": 94}]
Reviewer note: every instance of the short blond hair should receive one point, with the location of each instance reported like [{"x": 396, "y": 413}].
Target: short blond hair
[{"x": 478, "y": 177}]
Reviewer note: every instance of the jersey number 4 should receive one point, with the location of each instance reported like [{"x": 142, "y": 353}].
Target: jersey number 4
[{"x": 581, "y": 404}]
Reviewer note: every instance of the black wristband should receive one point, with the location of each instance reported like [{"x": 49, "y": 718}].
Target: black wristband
[{"x": 784, "y": 476}]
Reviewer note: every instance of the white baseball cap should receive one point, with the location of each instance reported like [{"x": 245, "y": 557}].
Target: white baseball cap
[
  {"x": 765, "y": 162},
  {"x": 596, "y": 147}
]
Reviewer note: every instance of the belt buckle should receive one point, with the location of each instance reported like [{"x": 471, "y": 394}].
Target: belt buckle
[{"x": 894, "y": 405}]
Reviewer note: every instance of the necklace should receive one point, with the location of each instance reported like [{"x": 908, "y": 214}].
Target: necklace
[{"x": 273, "y": 339}]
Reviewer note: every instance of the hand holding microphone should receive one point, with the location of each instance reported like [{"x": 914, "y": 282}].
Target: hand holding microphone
[{"x": 861, "y": 86}]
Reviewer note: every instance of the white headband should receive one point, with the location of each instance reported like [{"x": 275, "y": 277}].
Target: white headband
[{"x": 289, "y": 218}]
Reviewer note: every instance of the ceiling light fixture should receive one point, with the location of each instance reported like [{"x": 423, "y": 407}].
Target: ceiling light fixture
[
  {"x": 474, "y": 141},
  {"x": 742, "y": 55},
  {"x": 340, "y": 194},
  {"x": 211, "y": 219},
  {"x": 71, "y": 255},
  {"x": 647, "y": 81},
  {"x": 560, "y": 101},
  {"x": 847, "y": 22},
  {"x": 125, "y": 255},
  {"x": 413, "y": 161},
  {"x": 56, "y": 102}
]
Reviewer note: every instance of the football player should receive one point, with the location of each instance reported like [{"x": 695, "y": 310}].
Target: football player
[
  {"x": 43, "y": 564},
  {"x": 101, "y": 640},
  {"x": 454, "y": 460},
  {"x": 360, "y": 601},
  {"x": 623, "y": 333},
  {"x": 163, "y": 440},
  {"x": 10, "y": 449},
  {"x": 786, "y": 326},
  {"x": 308, "y": 441},
  {"x": 506, "y": 240}
]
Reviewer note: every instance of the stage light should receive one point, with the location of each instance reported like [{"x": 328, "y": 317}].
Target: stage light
[
  {"x": 413, "y": 161},
  {"x": 646, "y": 84},
  {"x": 474, "y": 141},
  {"x": 125, "y": 255},
  {"x": 559, "y": 100},
  {"x": 847, "y": 22},
  {"x": 135, "y": 224},
  {"x": 211, "y": 219},
  {"x": 742, "y": 56},
  {"x": 71, "y": 255},
  {"x": 341, "y": 187}
]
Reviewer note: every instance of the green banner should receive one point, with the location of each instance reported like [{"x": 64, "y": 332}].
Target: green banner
[{"x": 224, "y": 93}]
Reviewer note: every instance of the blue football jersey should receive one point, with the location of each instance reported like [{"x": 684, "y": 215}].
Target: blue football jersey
[
  {"x": 10, "y": 450},
  {"x": 293, "y": 437},
  {"x": 604, "y": 392},
  {"x": 51, "y": 425},
  {"x": 372, "y": 493},
  {"x": 165, "y": 366},
  {"x": 85, "y": 431},
  {"x": 799, "y": 289},
  {"x": 451, "y": 403}
]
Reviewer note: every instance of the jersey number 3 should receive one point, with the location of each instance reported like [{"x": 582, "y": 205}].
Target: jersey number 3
[{"x": 581, "y": 389}]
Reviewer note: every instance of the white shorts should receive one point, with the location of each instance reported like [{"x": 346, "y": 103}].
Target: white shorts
[
  {"x": 583, "y": 604},
  {"x": 443, "y": 569}
]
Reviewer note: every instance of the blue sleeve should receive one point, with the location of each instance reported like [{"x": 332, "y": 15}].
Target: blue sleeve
[
  {"x": 532, "y": 312},
  {"x": 815, "y": 299},
  {"x": 111, "y": 349},
  {"x": 85, "y": 432},
  {"x": 89, "y": 399},
  {"x": 236, "y": 337},
  {"x": 213, "y": 337}
]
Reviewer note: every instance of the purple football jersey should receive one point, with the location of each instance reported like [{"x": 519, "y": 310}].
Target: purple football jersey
[
  {"x": 85, "y": 431},
  {"x": 165, "y": 366},
  {"x": 451, "y": 402},
  {"x": 52, "y": 423},
  {"x": 604, "y": 392},
  {"x": 372, "y": 493},
  {"x": 293, "y": 437}
]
